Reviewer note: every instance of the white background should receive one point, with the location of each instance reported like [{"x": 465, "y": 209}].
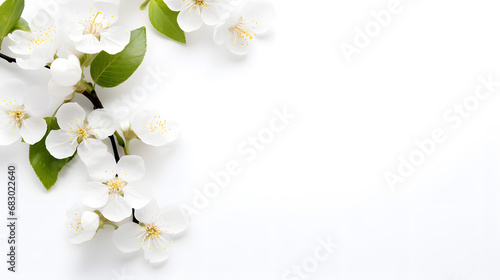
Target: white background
[{"x": 323, "y": 176}]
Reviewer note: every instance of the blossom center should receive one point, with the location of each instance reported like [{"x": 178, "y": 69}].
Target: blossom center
[
  {"x": 95, "y": 24},
  {"x": 19, "y": 115},
  {"x": 200, "y": 3},
  {"x": 81, "y": 132},
  {"x": 116, "y": 185},
  {"x": 158, "y": 125},
  {"x": 241, "y": 31},
  {"x": 152, "y": 231}
]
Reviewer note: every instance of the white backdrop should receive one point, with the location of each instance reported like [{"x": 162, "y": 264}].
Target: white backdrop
[{"x": 321, "y": 178}]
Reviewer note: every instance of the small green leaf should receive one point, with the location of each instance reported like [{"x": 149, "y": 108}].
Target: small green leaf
[
  {"x": 47, "y": 167},
  {"x": 119, "y": 139},
  {"x": 111, "y": 70},
  {"x": 165, "y": 21},
  {"x": 21, "y": 25},
  {"x": 144, "y": 4},
  {"x": 10, "y": 13}
]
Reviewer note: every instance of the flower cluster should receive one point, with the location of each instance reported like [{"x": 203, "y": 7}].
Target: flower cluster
[
  {"x": 237, "y": 23},
  {"x": 91, "y": 40},
  {"x": 115, "y": 191}
]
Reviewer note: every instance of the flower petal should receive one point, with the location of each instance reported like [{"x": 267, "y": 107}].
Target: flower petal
[
  {"x": 173, "y": 219},
  {"x": 90, "y": 221},
  {"x": 31, "y": 63},
  {"x": 101, "y": 2},
  {"x": 158, "y": 249},
  {"x": 189, "y": 19},
  {"x": 9, "y": 132},
  {"x": 69, "y": 114},
  {"x": 75, "y": 212},
  {"x": 90, "y": 149},
  {"x": 102, "y": 123},
  {"x": 222, "y": 33},
  {"x": 239, "y": 46},
  {"x": 116, "y": 209},
  {"x": 58, "y": 90},
  {"x": 59, "y": 144},
  {"x": 88, "y": 43},
  {"x": 131, "y": 168},
  {"x": 38, "y": 58},
  {"x": 20, "y": 39},
  {"x": 137, "y": 196},
  {"x": 95, "y": 195},
  {"x": 148, "y": 213},
  {"x": 33, "y": 130},
  {"x": 66, "y": 72},
  {"x": 102, "y": 168},
  {"x": 177, "y": 5},
  {"x": 128, "y": 237},
  {"x": 260, "y": 14},
  {"x": 210, "y": 14},
  {"x": 114, "y": 40}
]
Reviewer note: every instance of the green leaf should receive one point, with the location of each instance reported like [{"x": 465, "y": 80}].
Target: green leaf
[
  {"x": 21, "y": 25},
  {"x": 165, "y": 21},
  {"x": 119, "y": 139},
  {"x": 47, "y": 167},
  {"x": 10, "y": 13},
  {"x": 144, "y": 4},
  {"x": 111, "y": 70}
]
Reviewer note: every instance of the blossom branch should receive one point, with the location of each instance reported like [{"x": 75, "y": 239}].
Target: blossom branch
[{"x": 8, "y": 58}]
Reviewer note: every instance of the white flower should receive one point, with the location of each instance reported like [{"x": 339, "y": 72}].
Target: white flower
[
  {"x": 193, "y": 13},
  {"x": 66, "y": 73},
  {"x": 116, "y": 188},
  {"x": 154, "y": 232},
  {"x": 153, "y": 129},
  {"x": 82, "y": 224},
  {"x": 94, "y": 31},
  {"x": 17, "y": 120},
  {"x": 76, "y": 133},
  {"x": 38, "y": 47},
  {"x": 242, "y": 26}
]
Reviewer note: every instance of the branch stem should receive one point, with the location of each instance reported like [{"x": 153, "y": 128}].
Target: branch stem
[{"x": 7, "y": 58}]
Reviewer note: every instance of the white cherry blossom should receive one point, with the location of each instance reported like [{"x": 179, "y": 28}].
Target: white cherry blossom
[
  {"x": 78, "y": 133},
  {"x": 36, "y": 49},
  {"x": 154, "y": 233},
  {"x": 82, "y": 224},
  {"x": 242, "y": 26},
  {"x": 193, "y": 13},
  {"x": 116, "y": 188},
  {"x": 18, "y": 121},
  {"x": 95, "y": 29},
  {"x": 154, "y": 130}
]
